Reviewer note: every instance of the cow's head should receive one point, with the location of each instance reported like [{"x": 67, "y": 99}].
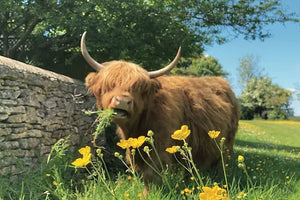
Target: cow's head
[{"x": 123, "y": 86}]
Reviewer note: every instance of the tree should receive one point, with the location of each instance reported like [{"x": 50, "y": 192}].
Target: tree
[
  {"x": 298, "y": 91},
  {"x": 201, "y": 66},
  {"x": 261, "y": 94},
  {"x": 249, "y": 69},
  {"x": 47, "y": 33}
]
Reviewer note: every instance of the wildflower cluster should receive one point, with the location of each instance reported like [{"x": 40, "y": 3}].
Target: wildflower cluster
[
  {"x": 181, "y": 134},
  {"x": 256, "y": 168},
  {"x": 250, "y": 129},
  {"x": 186, "y": 152},
  {"x": 186, "y": 192},
  {"x": 187, "y": 162},
  {"x": 242, "y": 165},
  {"x": 151, "y": 157}
]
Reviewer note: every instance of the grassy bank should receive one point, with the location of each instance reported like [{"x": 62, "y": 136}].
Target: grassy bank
[{"x": 271, "y": 151}]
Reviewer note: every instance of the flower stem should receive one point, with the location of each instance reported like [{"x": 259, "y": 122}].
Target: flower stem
[
  {"x": 156, "y": 153},
  {"x": 156, "y": 170},
  {"x": 191, "y": 161},
  {"x": 111, "y": 191},
  {"x": 223, "y": 166}
]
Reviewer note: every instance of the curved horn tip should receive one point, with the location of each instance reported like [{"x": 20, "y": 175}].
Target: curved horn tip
[
  {"x": 83, "y": 35},
  {"x": 178, "y": 52},
  {"x": 160, "y": 72},
  {"x": 94, "y": 64}
]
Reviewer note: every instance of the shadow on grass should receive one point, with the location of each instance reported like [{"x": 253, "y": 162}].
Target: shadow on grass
[
  {"x": 267, "y": 146},
  {"x": 269, "y": 164}
]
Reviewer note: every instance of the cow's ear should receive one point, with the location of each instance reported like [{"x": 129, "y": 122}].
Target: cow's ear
[{"x": 90, "y": 79}]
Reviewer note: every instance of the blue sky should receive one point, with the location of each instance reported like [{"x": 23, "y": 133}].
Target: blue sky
[{"x": 279, "y": 55}]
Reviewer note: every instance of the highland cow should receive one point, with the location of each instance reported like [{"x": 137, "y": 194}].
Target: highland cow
[{"x": 146, "y": 101}]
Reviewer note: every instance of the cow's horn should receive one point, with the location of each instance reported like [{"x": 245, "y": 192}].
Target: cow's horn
[
  {"x": 160, "y": 72},
  {"x": 94, "y": 64}
]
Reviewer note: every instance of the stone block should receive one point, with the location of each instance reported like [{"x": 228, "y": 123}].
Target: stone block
[
  {"x": 18, "y": 83},
  {"x": 27, "y": 134},
  {"x": 9, "y": 145},
  {"x": 8, "y": 102},
  {"x": 50, "y": 103},
  {"x": 18, "y": 118},
  {"x": 12, "y": 110},
  {"x": 9, "y": 94},
  {"x": 5, "y": 131},
  {"x": 29, "y": 143},
  {"x": 3, "y": 116}
]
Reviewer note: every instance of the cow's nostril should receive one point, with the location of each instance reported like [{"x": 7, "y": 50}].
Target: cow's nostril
[{"x": 122, "y": 100}]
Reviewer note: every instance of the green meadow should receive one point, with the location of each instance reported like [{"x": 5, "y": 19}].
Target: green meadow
[{"x": 270, "y": 170}]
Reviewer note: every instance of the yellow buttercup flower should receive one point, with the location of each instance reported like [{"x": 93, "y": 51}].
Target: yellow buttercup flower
[
  {"x": 187, "y": 191},
  {"x": 86, "y": 157},
  {"x": 123, "y": 144},
  {"x": 136, "y": 142},
  {"x": 241, "y": 195},
  {"x": 84, "y": 151},
  {"x": 172, "y": 149},
  {"x": 85, "y": 160},
  {"x": 132, "y": 142},
  {"x": 213, "y": 193},
  {"x": 140, "y": 141},
  {"x": 214, "y": 134},
  {"x": 181, "y": 134},
  {"x": 241, "y": 158}
]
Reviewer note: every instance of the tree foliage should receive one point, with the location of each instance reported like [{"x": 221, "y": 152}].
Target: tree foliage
[
  {"x": 201, "y": 66},
  {"x": 261, "y": 94},
  {"x": 47, "y": 33}
]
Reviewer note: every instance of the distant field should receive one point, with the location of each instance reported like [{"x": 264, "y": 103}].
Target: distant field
[
  {"x": 271, "y": 132},
  {"x": 295, "y": 118}
]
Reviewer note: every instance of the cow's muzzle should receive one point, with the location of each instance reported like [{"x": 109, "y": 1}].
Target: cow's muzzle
[{"x": 122, "y": 106}]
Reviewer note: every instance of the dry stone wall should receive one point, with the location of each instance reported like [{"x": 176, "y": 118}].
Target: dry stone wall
[{"x": 38, "y": 107}]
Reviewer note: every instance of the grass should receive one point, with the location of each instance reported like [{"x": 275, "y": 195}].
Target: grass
[{"x": 271, "y": 151}]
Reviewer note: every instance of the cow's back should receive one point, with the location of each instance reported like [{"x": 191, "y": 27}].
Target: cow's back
[{"x": 205, "y": 103}]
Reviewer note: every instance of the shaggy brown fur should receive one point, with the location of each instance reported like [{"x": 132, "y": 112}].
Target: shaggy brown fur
[{"x": 164, "y": 104}]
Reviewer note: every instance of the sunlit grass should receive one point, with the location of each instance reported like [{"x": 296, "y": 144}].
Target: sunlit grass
[{"x": 271, "y": 132}]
